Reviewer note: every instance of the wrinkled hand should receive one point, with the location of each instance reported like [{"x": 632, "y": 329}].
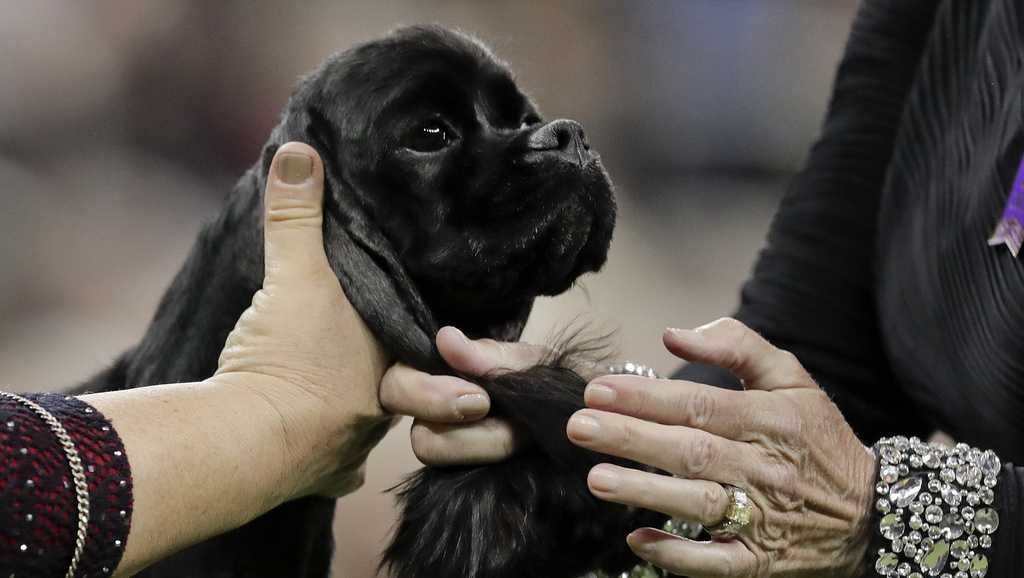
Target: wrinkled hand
[
  {"x": 451, "y": 426},
  {"x": 782, "y": 440},
  {"x": 301, "y": 346}
]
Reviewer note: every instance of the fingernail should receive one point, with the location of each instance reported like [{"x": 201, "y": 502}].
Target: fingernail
[
  {"x": 582, "y": 427},
  {"x": 687, "y": 334},
  {"x": 461, "y": 335},
  {"x": 457, "y": 332},
  {"x": 294, "y": 168},
  {"x": 636, "y": 541},
  {"x": 603, "y": 478},
  {"x": 599, "y": 394},
  {"x": 472, "y": 405}
]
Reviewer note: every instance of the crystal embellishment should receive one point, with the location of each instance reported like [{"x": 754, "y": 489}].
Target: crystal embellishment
[
  {"x": 952, "y": 527},
  {"x": 968, "y": 475},
  {"x": 986, "y": 520},
  {"x": 904, "y": 491},
  {"x": 889, "y": 474},
  {"x": 979, "y": 566},
  {"x": 989, "y": 464},
  {"x": 886, "y": 563},
  {"x": 951, "y": 495},
  {"x": 890, "y": 454},
  {"x": 986, "y": 495},
  {"x": 934, "y": 561},
  {"x": 892, "y": 526},
  {"x": 959, "y": 549}
]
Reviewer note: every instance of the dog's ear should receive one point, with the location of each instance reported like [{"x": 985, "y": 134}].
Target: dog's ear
[{"x": 371, "y": 275}]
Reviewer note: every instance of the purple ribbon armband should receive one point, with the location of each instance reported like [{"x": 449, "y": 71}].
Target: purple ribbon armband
[{"x": 1010, "y": 229}]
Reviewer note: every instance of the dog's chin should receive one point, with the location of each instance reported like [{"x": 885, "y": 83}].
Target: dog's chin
[
  {"x": 548, "y": 261},
  {"x": 577, "y": 240},
  {"x": 573, "y": 245}
]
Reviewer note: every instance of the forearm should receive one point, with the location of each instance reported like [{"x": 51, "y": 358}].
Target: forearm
[{"x": 205, "y": 458}]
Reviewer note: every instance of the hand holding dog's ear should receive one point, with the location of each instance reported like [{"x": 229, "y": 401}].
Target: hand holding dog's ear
[
  {"x": 302, "y": 344},
  {"x": 448, "y": 429},
  {"x": 307, "y": 350}
]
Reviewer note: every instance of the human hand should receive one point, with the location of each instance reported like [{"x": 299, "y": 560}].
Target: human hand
[
  {"x": 450, "y": 424},
  {"x": 302, "y": 347},
  {"x": 781, "y": 440}
]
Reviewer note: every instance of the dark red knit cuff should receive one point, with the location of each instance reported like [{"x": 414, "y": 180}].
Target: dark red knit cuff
[{"x": 38, "y": 508}]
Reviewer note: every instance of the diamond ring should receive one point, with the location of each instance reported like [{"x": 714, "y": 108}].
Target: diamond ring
[{"x": 737, "y": 514}]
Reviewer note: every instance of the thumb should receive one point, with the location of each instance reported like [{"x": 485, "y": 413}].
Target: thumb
[
  {"x": 482, "y": 356},
  {"x": 293, "y": 214},
  {"x": 731, "y": 345}
]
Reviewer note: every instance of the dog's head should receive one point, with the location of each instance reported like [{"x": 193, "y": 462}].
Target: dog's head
[{"x": 450, "y": 200}]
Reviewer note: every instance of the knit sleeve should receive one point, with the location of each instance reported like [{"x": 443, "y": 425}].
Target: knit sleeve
[
  {"x": 812, "y": 288},
  {"x": 38, "y": 505}
]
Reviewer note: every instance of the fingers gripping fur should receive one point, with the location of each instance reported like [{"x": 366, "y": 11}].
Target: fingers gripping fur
[{"x": 530, "y": 516}]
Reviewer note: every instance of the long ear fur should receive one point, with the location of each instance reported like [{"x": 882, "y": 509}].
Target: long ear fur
[
  {"x": 363, "y": 259},
  {"x": 531, "y": 516}
]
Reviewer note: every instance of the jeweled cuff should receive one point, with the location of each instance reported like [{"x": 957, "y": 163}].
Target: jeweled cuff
[{"x": 936, "y": 506}]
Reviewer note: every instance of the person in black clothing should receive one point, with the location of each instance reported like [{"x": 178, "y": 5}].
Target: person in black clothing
[{"x": 877, "y": 281}]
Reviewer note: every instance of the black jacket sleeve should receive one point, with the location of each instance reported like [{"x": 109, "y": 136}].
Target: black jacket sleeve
[{"x": 811, "y": 291}]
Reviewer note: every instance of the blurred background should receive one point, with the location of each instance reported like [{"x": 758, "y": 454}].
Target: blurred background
[{"x": 124, "y": 124}]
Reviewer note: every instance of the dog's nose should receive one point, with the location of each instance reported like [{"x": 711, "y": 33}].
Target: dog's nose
[{"x": 564, "y": 138}]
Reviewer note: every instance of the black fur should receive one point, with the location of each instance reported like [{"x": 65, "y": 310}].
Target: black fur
[
  {"x": 529, "y": 516},
  {"x": 467, "y": 235}
]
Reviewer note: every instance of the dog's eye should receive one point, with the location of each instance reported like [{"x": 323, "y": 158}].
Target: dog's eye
[
  {"x": 529, "y": 120},
  {"x": 429, "y": 137}
]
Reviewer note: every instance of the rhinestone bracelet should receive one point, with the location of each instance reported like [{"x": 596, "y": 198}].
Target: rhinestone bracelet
[
  {"x": 630, "y": 368},
  {"x": 935, "y": 502}
]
